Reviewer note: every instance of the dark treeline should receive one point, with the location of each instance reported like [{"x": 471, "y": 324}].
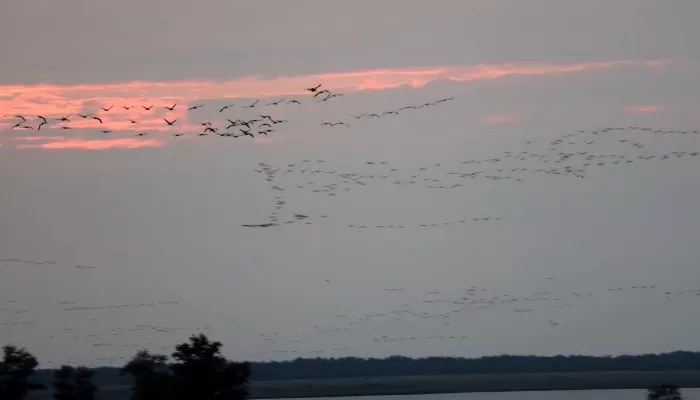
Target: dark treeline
[
  {"x": 330, "y": 368},
  {"x": 403, "y": 366}
]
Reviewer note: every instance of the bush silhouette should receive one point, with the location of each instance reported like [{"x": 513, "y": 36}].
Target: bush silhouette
[{"x": 16, "y": 367}]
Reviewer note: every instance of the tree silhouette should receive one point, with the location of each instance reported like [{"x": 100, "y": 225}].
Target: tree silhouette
[
  {"x": 152, "y": 379},
  {"x": 73, "y": 384},
  {"x": 15, "y": 369},
  {"x": 63, "y": 383},
  {"x": 201, "y": 372},
  {"x": 83, "y": 383},
  {"x": 664, "y": 392}
]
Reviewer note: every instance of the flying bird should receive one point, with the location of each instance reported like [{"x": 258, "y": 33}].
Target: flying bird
[
  {"x": 23, "y": 119},
  {"x": 106, "y": 131},
  {"x": 274, "y": 103},
  {"x": 225, "y": 107},
  {"x": 252, "y": 105},
  {"x": 85, "y": 116},
  {"x": 133, "y": 122},
  {"x": 313, "y": 89},
  {"x": 40, "y": 125},
  {"x": 171, "y": 108},
  {"x": 147, "y": 108},
  {"x": 64, "y": 119},
  {"x": 168, "y": 122},
  {"x": 127, "y": 107},
  {"x": 44, "y": 119},
  {"x": 141, "y": 134},
  {"x": 321, "y": 92},
  {"x": 195, "y": 107},
  {"x": 108, "y": 108},
  {"x": 247, "y": 133},
  {"x": 293, "y": 101},
  {"x": 97, "y": 118}
]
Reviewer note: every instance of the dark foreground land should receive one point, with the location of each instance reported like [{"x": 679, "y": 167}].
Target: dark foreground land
[{"x": 403, "y": 385}]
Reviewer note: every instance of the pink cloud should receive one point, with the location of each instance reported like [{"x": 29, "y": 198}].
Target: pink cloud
[
  {"x": 39, "y": 138},
  {"x": 502, "y": 118},
  {"x": 54, "y": 101},
  {"x": 260, "y": 139},
  {"x": 659, "y": 63},
  {"x": 645, "y": 108},
  {"x": 96, "y": 144}
]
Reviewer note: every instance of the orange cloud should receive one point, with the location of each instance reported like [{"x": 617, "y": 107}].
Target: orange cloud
[
  {"x": 128, "y": 99},
  {"x": 644, "y": 109}
]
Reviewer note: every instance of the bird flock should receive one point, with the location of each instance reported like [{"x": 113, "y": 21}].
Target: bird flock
[
  {"x": 263, "y": 124},
  {"x": 440, "y": 316},
  {"x": 573, "y": 155},
  {"x": 578, "y": 155}
]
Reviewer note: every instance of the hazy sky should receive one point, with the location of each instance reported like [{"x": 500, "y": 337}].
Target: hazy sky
[{"x": 159, "y": 218}]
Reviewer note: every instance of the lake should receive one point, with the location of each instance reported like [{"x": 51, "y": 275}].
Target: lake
[{"x": 627, "y": 394}]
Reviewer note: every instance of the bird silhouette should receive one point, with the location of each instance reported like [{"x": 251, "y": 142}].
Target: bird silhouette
[
  {"x": 246, "y": 133},
  {"x": 253, "y": 104},
  {"x": 169, "y": 122},
  {"x": 313, "y": 89},
  {"x": 171, "y": 108},
  {"x": 321, "y": 92}
]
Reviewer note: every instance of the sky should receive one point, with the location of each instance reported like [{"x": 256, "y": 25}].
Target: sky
[{"x": 504, "y": 220}]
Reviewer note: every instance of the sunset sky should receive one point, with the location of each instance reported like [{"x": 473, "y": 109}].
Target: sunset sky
[{"x": 159, "y": 217}]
